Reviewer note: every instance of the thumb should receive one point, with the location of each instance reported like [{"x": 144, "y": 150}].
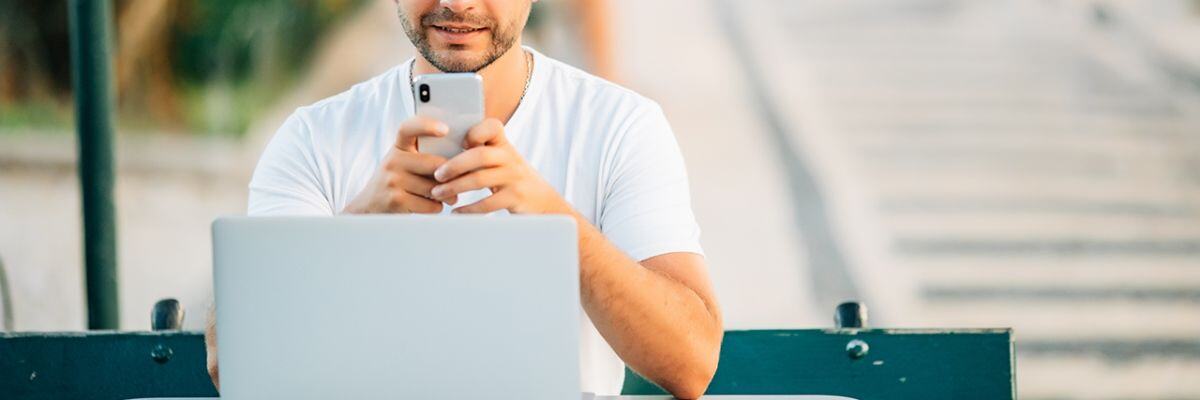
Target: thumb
[{"x": 415, "y": 127}]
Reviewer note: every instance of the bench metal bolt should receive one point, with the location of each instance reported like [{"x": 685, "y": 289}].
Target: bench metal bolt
[
  {"x": 161, "y": 354},
  {"x": 856, "y": 349},
  {"x": 852, "y": 315}
]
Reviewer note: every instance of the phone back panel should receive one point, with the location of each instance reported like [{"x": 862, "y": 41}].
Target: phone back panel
[{"x": 457, "y": 100}]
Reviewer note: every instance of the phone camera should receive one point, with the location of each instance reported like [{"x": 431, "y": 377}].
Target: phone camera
[{"x": 423, "y": 93}]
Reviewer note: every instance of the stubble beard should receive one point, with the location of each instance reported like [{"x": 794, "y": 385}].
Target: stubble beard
[{"x": 503, "y": 39}]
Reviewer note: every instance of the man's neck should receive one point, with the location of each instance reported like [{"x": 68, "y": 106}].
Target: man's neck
[{"x": 503, "y": 82}]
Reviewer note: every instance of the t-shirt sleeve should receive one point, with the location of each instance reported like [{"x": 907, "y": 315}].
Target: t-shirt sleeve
[
  {"x": 646, "y": 209},
  {"x": 286, "y": 180}
]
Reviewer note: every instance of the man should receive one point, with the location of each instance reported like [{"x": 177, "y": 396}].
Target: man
[{"x": 556, "y": 141}]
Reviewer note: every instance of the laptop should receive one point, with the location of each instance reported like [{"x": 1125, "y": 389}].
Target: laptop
[{"x": 422, "y": 307}]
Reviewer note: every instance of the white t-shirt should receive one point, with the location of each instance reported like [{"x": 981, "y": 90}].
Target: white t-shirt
[{"x": 607, "y": 150}]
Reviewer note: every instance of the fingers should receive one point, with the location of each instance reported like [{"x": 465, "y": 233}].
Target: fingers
[
  {"x": 470, "y": 160},
  {"x": 489, "y": 132},
  {"x": 409, "y": 183},
  {"x": 410, "y": 130},
  {"x": 484, "y": 178},
  {"x": 408, "y": 202},
  {"x": 416, "y": 163},
  {"x": 413, "y": 184},
  {"x": 498, "y": 201},
  {"x": 420, "y": 186}
]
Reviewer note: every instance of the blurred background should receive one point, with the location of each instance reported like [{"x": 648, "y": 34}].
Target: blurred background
[{"x": 1032, "y": 164}]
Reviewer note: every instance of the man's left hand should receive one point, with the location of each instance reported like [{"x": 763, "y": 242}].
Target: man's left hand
[{"x": 491, "y": 162}]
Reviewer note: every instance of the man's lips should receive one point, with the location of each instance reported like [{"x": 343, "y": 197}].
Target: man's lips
[
  {"x": 457, "y": 27},
  {"x": 455, "y": 33}
]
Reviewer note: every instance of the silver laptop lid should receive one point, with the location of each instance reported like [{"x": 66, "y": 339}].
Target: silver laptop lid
[{"x": 397, "y": 307}]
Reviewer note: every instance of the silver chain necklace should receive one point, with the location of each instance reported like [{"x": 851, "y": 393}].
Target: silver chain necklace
[{"x": 528, "y": 75}]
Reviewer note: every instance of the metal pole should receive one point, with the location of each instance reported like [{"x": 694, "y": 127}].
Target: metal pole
[{"x": 91, "y": 73}]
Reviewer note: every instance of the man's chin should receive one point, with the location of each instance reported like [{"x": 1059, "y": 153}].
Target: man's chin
[{"x": 459, "y": 60}]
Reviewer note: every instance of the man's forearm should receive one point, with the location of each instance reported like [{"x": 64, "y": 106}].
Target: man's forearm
[
  {"x": 210, "y": 347},
  {"x": 661, "y": 327}
]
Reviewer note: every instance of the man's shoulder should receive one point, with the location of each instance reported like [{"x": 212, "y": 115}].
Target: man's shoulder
[{"x": 594, "y": 89}]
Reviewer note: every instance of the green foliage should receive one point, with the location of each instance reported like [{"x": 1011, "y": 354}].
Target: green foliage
[
  {"x": 39, "y": 116},
  {"x": 226, "y": 108},
  {"x": 234, "y": 57},
  {"x": 250, "y": 39},
  {"x": 228, "y": 60}
]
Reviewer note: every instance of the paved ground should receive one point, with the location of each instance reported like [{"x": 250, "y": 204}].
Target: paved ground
[
  {"x": 167, "y": 194},
  {"x": 999, "y": 164},
  {"x": 952, "y": 163}
]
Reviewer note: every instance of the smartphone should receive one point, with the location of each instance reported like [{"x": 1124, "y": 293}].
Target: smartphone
[{"x": 455, "y": 99}]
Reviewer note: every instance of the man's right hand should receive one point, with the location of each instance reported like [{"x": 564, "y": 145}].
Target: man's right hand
[{"x": 403, "y": 182}]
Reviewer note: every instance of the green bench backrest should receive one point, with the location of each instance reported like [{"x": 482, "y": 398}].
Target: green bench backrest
[
  {"x": 103, "y": 365},
  {"x": 898, "y": 364}
]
